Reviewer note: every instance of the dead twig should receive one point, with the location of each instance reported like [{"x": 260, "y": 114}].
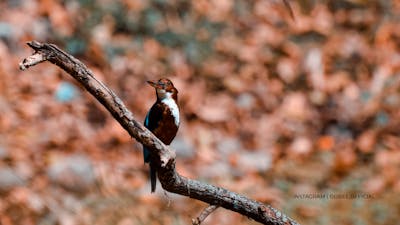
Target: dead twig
[{"x": 203, "y": 215}]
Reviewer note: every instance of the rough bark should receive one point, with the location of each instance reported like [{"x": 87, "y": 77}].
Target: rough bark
[{"x": 169, "y": 178}]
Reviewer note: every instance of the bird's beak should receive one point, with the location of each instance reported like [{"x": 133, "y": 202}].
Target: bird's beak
[{"x": 154, "y": 83}]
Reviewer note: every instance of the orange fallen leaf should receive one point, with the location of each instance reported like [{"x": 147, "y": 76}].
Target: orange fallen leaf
[{"x": 326, "y": 143}]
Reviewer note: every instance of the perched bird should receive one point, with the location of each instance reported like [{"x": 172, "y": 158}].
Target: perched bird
[{"x": 162, "y": 120}]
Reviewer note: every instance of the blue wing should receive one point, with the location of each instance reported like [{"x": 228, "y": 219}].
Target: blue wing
[
  {"x": 146, "y": 152},
  {"x": 151, "y": 121},
  {"x": 146, "y": 121}
]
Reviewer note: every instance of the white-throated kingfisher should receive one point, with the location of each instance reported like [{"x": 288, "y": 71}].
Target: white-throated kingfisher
[{"x": 162, "y": 120}]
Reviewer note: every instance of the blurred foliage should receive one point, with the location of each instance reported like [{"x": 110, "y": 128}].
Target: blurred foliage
[{"x": 277, "y": 109}]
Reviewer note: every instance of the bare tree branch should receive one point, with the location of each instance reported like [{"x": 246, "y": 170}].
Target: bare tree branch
[
  {"x": 203, "y": 215},
  {"x": 169, "y": 178}
]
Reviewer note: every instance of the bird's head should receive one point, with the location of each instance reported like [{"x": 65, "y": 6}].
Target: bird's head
[{"x": 164, "y": 88}]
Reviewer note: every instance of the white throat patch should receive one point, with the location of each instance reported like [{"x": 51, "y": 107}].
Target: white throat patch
[{"x": 170, "y": 102}]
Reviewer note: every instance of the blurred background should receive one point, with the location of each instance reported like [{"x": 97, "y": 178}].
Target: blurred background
[{"x": 301, "y": 114}]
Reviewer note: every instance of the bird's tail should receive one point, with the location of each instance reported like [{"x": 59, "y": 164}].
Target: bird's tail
[
  {"x": 153, "y": 177},
  {"x": 153, "y": 171}
]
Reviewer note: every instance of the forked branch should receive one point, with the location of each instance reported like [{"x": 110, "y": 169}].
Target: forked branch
[{"x": 169, "y": 178}]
